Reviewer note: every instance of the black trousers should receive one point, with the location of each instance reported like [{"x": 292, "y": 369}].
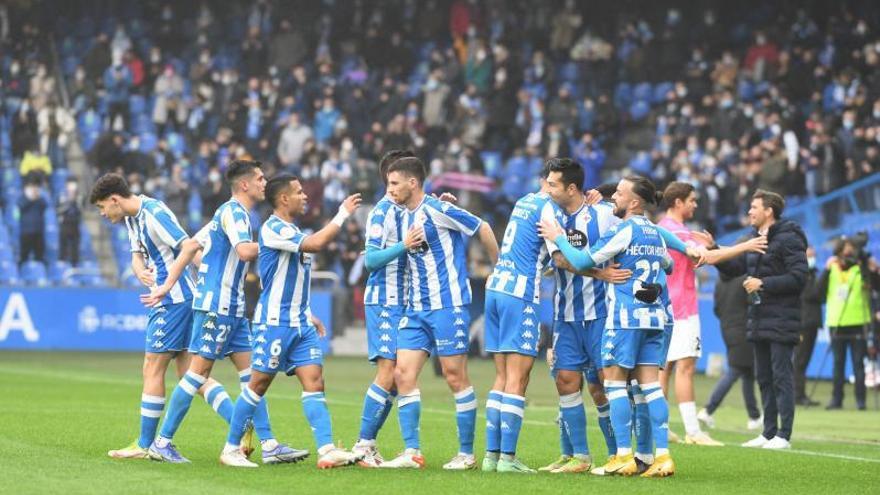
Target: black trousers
[
  {"x": 775, "y": 372},
  {"x": 841, "y": 339},
  {"x": 32, "y": 244},
  {"x": 727, "y": 381},
  {"x": 69, "y": 249},
  {"x": 802, "y": 355}
]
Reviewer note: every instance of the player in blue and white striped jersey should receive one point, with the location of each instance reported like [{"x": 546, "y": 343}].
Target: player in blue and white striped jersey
[
  {"x": 155, "y": 237},
  {"x": 579, "y": 311},
  {"x": 634, "y": 337},
  {"x": 219, "y": 326},
  {"x": 287, "y": 336},
  {"x": 437, "y": 313},
  {"x": 384, "y": 302}
]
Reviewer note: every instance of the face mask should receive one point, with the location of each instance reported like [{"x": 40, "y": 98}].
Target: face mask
[
  {"x": 136, "y": 188},
  {"x": 726, "y": 103},
  {"x": 876, "y": 114},
  {"x": 748, "y": 112},
  {"x": 848, "y": 124},
  {"x": 214, "y": 176},
  {"x": 811, "y": 261}
]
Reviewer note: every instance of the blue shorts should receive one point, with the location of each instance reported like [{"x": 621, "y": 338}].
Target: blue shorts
[
  {"x": 215, "y": 336},
  {"x": 576, "y": 344},
  {"x": 629, "y": 347},
  {"x": 444, "y": 331},
  {"x": 285, "y": 348},
  {"x": 169, "y": 327},
  {"x": 382, "y": 323},
  {"x": 512, "y": 324}
]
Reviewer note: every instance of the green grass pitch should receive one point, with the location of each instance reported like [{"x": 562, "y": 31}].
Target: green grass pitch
[{"x": 61, "y": 412}]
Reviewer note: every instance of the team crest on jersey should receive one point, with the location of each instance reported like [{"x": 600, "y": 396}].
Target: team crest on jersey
[
  {"x": 375, "y": 231},
  {"x": 576, "y": 238},
  {"x": 385, "y": 338},
  {"x": 528, "y": 335},
  {"x": 287, "y": 232},
  {"x": 403, "y": 322},
  {"x": 529, "y": 322}
]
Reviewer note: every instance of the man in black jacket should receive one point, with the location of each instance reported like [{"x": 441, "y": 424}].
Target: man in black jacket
[
  {"x": 811, "y": 320},
  {"x": 774, "y": 282}
]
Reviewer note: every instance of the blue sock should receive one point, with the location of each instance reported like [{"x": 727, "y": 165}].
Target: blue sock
[
  {"x": 658, "y": 409},
  {"x": 574, "y": 418},
  {"x": 621, "y": 415},
  {"x": 466, "y": 419},
  {"x": 493, "y": 422},
  {"x": 244, "y": 411},
  {"x": 389, "y": 404},
  {"x": 644, "y": 442},
  {"x": 409, "y": 409},
  {"x": 151, "y": 411},
  {"x": 375, "y": 402},
  {"x": 604, "y": 414},
  {"x": 261, "y": 415},
  {"x": 564, "y": 441},
  {"x": 218, "y": 399},
  {"x": 512, "y": 411},
  {"x": 315, "y": 407},
  {"x": 180, "y": 401}
]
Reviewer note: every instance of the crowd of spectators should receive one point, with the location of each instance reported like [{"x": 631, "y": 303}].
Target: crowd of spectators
[{"x": 727, "y": 97}]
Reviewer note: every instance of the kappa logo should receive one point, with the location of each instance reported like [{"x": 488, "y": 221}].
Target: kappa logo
[
  {"x": 158, "y": 344},
  {"x": 460, "y": 345},
  {"x": 385, "y": 350},
  {"x": 161, "y": 309},
  {"x": 456, "y": 310},
  {"x": 209, "y": 325},
  {"x": 611, "y": 333},
  {"x": 260, "y": 340},
  {"x": 609, "y": 345},
  {"x": 460, "y": 334},
  {"x": 459, "y": 321},
  {"x": 385, "y": 326},
  {"x": 504, "y": 425},
  {"x": 529, "y": 322},
  {"x": 385, "y": 338},
  {"x": 207, "y": 337},
  {"x": 160, "y": 321},
  {"x": 158, "y": 333},
  {"x": 526, "y": 346},
  {"x": 528, "y": 335},
  {"x": 259, "y": 362},
  {"x": 608, "y": 357},
  {"x": 384, "y": 314},
  {"x": 529, "y": 310},
  {"x": 490, "y": 425},
  {"x": 260, "y": 351},
  {"x": 205, "y": 349}
]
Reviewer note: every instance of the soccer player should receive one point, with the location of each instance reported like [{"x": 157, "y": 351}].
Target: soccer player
[
  {"x": 287, "y": 336},
  {"x": 384, "y": 301},
  {"x": 684, "y": 349},
  {"x": 437, "y": 312},
  {"x": 633, "y": 337},
  {"x": 155, "y": 237},
  {"x": 219, "y": 324},
  {"x": 579, "y": 309}
]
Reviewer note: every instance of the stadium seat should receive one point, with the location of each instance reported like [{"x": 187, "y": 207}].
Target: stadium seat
[
  {"x": 643, "y": 92},
  {"x": 660, "y": 90},
  {"x": 639, "y": 110},
  {"x": 58, "y": 272},
  {"x": 8, "y": 272},
  {"x": 34, "y": 273},
  {"x": 623, "y": 95}
]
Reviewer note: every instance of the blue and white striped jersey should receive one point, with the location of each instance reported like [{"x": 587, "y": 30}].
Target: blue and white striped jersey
[
  {"x": 220, "y": 283},
  {"x": 286, "y": 275},
  {"x": 581, "y": 298},
  {"x": 437, "y": 271},
  {"x": 155, "y": 233},
  {"x": 638, "y": 246},
  {"x": 524, "y": 254},
  {"x": 385, "y": 286}
]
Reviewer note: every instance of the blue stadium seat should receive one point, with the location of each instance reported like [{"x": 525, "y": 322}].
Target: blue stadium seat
[
  {"x": 148, "y": 142},
  {"x": 643, "y": 92},
  {"x": 8, "y": 272},
  {"x": 660, "y": 90},
  {"x": 59, "y": 180},
  {"x": 58, "y": 272},
  {"x": 623, "y": 95},
  {"x": 34, "y": 273},
  {"x": 639, "y": 110}
]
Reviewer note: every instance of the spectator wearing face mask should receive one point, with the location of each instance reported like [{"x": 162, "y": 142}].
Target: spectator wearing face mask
[
  {"x": 32, "y": 239},
  {"x": 69, "y": 217},
  {"x": 213, "y": 192}
]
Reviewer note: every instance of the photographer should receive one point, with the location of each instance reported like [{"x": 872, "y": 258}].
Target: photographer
[{"x": 846, "y": 286}]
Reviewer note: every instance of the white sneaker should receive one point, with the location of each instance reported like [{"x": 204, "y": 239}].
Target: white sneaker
[
  {"x": 337, "y": 457},
  {"x": 777, "y": 443},
  {"x": 411, "y": 459},
  {"x": 755, "y": 424},
  {"x": 706, "y": 418},
  {"x": 371, "y": 456},
  {"x": 757, "y": 442},
  {"x": 235, "y": 458},
  {"x": 461, "y": 462}
]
